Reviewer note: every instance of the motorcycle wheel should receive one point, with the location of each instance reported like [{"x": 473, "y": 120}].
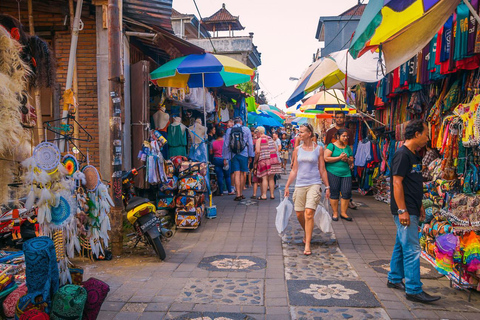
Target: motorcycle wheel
[{"x": 157, "y": 246}]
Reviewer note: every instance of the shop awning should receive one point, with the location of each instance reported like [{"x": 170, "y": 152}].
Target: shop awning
[
  {"x": 160, "y": 44},
  {"x": 155, "y": 13}
]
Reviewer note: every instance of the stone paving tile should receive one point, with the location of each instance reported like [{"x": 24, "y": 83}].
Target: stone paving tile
[
  {"x": 331, "y": 293},
  {"x": 152, "y": 316},
  {"x": 213, "y": 316},
  {"x": 223, "y": 291},
  {"x": 232, "y": 263},
  {"x": 329, "y": 313},
  {"x": 426, "y": 270},
  {"x": 134, "y": 307}
]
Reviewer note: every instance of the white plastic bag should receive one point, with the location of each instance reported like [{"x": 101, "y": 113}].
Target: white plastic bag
[
  {"x": 284, "y": 211},
  {"x": 322, "y": 218}
]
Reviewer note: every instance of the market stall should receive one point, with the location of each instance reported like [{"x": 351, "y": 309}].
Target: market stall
[
  {"x": 440, "y": 84},
  {"x": 53, "y": 205},
  {"x": 183, "y": 175}
]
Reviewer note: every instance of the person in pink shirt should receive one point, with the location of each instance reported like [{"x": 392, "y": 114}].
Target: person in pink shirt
[{"x": 222, "y": 171}]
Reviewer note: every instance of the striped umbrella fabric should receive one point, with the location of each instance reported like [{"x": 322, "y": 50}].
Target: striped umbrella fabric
[
  {"x": 323, "y": 72},
  {"x": 401, "y": 27},
  {"x": 201, "y": 70}
]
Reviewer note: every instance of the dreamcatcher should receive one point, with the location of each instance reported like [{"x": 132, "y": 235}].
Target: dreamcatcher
[
  {"x": 51, "y": 192},
  {"x": 99, "y": 204}
]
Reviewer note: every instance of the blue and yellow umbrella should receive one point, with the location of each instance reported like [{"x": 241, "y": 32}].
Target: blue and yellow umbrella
[{"x": 201, "y": 70}]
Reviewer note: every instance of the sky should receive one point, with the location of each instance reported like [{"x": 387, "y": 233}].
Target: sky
[{"x": 284, "y": 33}]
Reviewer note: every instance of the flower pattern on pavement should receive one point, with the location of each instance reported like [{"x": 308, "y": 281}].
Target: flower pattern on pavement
[
  {"x": 233, "y": 263},
  {"x": 331, "y": 291}
]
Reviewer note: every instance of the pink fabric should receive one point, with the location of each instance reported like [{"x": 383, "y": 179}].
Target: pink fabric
[
  {"x": 10, "y": 302},
  {"x": 217, "y": 147}
]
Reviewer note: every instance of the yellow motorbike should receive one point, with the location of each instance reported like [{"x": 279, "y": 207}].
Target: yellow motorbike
[{"x": 141, "y": 214}]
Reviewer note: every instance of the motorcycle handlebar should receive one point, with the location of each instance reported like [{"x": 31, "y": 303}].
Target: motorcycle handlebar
[{"x": 132, "y": 173}]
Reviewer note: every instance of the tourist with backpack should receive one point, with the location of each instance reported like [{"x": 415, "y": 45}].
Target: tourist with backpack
[{"x": 238, "y": 147}]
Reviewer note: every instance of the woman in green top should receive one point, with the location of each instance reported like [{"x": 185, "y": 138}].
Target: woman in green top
[{"x": 339, "y": 162}]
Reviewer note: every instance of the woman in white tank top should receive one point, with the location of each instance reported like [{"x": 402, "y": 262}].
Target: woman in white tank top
[{"x": 309, "y": 170}]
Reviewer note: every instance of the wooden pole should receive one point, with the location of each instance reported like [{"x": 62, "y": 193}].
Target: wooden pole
[
  {"x": 38, "y": 100},
  {"x": 116, "y": 106},
  {"x": 75, "y": 83}
]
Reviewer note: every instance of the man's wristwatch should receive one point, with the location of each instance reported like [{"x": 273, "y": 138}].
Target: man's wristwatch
[
  {"x": 401, "y": 211},
  {"x": 327, "y": 187}
]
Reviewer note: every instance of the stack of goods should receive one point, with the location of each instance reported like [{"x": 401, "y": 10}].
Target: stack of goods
[
  {"x": 382, "y": 189},
  {"x": 450, "y": 239},
  {"x": 33, "y": 291},
  {"x": 184, "y": 191}
]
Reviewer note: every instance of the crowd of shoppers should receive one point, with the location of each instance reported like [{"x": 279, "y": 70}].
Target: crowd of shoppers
[{"x": 328, "y": 166}]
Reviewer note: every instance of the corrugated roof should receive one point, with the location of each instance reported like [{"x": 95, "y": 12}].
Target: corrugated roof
[
  {"x": 166, "y": 45},
  {"x": 355, "y": 10},
  {"x": 222, "y": 19},
  {"x": 152, "y": 12}
]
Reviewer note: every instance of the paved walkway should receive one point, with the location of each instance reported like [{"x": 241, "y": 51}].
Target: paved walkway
[{"x": 237, "y": 267}]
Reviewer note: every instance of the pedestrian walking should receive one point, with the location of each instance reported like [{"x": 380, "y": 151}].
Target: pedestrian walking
[
  {"x": 238, "y": 147},
  {"x": 284, "y": 152},
  {"x": 266, "y": 163},
  {"x": 222, "y": 171},
  {"x": 330, "y": 137},
  {"x": 256, "y": 180},
  {"x": 309, "y": 170},
  {"x": 339, "y": 162},
  {"x": 406, "y": 186}
]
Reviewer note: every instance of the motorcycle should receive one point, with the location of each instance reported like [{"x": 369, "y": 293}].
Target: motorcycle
[{"x": 141, "y": 214}]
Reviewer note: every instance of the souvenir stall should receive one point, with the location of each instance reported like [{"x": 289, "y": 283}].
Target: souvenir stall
[
  {"x": 188, "y": 183},
  {"x": 441, "y": 85},
  {"x": 51, "y": 207}
]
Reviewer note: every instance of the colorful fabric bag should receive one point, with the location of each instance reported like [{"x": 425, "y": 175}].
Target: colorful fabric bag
[
  {"x": 68, "y": 302},
  {"x": 189, "y": 220},
  {"x": 165, "y": 201},
  {"x": 177, "y": 161},
  {"x": 97, "y": 291},
  {"x": 170, "y": 185},
  {"x": 169, "y": 168},
  {"x": 188, "y": 168},
  {"x": 186, "y": 200},
  {"x": 195, "y": 182}
]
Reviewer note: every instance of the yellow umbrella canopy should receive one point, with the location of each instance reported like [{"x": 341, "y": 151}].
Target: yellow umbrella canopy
[{"x": 401, "y": 28}]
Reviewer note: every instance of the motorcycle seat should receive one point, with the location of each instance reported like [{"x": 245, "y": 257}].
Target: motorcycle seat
[{"x": 135, "y": 202}]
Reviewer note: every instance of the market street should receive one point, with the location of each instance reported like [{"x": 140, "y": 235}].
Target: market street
[{"x": 236, "y": 266}]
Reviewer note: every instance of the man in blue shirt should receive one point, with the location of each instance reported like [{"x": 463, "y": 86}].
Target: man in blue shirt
[{"x": 239, "y": 159}]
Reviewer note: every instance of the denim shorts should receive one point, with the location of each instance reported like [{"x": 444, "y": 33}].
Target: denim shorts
[{"x": 239, "y": 163}]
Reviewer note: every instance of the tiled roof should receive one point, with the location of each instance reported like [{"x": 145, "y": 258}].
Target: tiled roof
[
  {"x": 221, "y": 15},
  {"x": 222, "y": 20},
  {"x": 176, "y": 14},
  {"x": 355, "y": 10}
]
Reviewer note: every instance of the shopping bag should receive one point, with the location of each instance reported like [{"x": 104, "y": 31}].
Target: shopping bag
[
  {"x": 284, "y": 211},
  {"x": 322, "y": 219}
]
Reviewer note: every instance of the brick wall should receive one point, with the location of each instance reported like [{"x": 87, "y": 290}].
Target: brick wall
[
  {"x": 53, "y": 19},
  {"x": 87, "y": 82}
]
